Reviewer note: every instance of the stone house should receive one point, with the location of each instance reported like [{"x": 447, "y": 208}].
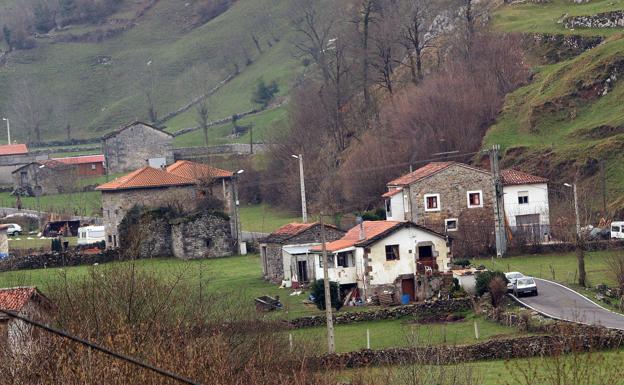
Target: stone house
[
  {"x": 395, "y": 256},
  {"x": 181, "y": 186},
  {"x": 147, "y": 187},
  {"x": 285, "y": 252},
  {"x": 14, "y": 156},
  {"x": 28, "y": 302},
  {"x": 45, "y": 177},
  {"x": 137, "y": 145},
  {"x": 459, "y": 199}
]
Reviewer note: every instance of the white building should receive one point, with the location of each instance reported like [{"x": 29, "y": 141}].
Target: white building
[
  {"x": 385, "y": 255},
  {"x": 526, "y": 203}
]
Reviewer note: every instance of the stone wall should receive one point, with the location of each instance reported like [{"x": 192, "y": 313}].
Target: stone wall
[
  {"x": 53, "y": 259},
  {"x": 496, "y": 349},
  {"x": 130, "y": 148},
  {"x": 272, "y": 263},
  {"x": 424, "y": 309},
  {"x": 194, "y": 153},
  {"x": 204, "y": 236},
  {"x": 553, "y": 48},
  {"x": 613, "y": 19},
  {"x": 565, "y": 247}
]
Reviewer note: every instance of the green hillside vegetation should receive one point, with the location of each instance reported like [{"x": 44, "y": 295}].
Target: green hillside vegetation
[
  {"x": 543, "y": 17},
  {"x": 183, "y": 65},
  {"x": 569, "y": 116}
]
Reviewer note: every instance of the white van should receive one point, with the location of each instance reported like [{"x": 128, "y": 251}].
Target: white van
[
  {"x": 617, "y": 230},
  {"x": 89, "y": 235}
]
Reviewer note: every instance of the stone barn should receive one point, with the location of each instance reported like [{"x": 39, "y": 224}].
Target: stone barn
[
  {"x": 28, "y": 302},
  {"x": 14, "y": 156},
  {"x": 45, "y": 177},
  {"x": 285, "y": 252},
  {"x": 135, "y": 146}
]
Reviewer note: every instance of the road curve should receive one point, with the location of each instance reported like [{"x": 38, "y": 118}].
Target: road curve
[{"x": 557, "y": 301}]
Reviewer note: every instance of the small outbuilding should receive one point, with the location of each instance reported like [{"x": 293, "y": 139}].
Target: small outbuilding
[
  {"x": 285, "y": 253},
  {"x": 27, "y": 302}
]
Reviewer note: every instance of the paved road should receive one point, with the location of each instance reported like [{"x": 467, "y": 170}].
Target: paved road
[{"x": 558, "y": 301}]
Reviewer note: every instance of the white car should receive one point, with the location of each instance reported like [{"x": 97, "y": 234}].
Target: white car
[
  {"x": 512, "y": 276},
  {"x": 14, "y": 229},
  {"x": 525, "y": 285}
]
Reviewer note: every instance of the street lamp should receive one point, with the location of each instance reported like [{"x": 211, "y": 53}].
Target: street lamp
[
  {"x": 304, "y": 210},
  {"x": 8, "y": 129},
  {"x": 576, "y": 209},
  {"x": 239, "y": 233}
]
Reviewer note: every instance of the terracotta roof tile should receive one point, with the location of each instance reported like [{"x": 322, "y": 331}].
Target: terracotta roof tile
[
  {"x": 13, "y": 149},
  {"x": 420, "y": 173},
  {"x": 81, "y": 159},
  {"x": 290, "y": 230},
  {"x": 515, "y": 177},
  {"x": 195, "y": 170},
  {"x": 146, "y": 177},
  {"x": 392, "y": 193},
  {"x": 352, "y": 237},
  {"x": 16, "y": 298}
]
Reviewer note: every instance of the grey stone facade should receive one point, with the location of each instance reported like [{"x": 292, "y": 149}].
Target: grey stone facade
[
  {"x": 116, "y": 203},
  {"x": 131, "y": 147},
  {"x": 452, "y": 184},
  {"x": 47, "y": 179},
  {"x": 10, "y": 163},
  {"x": 205, "y": 236},
  {"x": 275, "y": 259}
]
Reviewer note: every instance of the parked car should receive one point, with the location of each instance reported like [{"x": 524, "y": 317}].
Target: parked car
[
  {"x": 525, "y": 285},
  {"x": 617, "y": 230},
  {"x": 512, "y": 276},
  {"x": 14, "y": 229}
]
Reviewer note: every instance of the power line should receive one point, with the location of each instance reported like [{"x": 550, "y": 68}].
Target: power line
[{"x": 101, "y": 349}]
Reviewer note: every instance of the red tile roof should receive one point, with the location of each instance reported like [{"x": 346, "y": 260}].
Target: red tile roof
[
  {"x": 14, "y": 299},
  {"x": 371, "y": 230},
  {"x": 81, "y": 159},
  {"x": 13, "y": 149},
  {"x": 193, "y": 170},
  {"x": 420, "y": 173},
  {"x": 293, "y": 229},
  {"x": 515, "y": 177},
  {"x": 146, "y": 177},
  {"x": 392, "y": 193}
]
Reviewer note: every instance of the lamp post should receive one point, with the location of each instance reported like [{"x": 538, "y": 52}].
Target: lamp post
[
  {"x": 239, "y": 234},
  {"x": 8, "y": 129},
  {"x": 304, "y": 210},
  {"x": 576, "y": 209}
]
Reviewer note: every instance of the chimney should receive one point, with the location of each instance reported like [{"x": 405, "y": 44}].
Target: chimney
[{"x": 362, "y": 231}]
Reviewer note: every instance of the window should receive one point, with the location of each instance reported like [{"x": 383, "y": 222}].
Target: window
[
  {"x": 432, "y": 202},
  {"x": 615, "y": 229},
  {"x": 451, "y": 224},
  {"x": 392, "y": 252},
  {"x": 92, "y": 167},
  {"x": 330, "y": 259},
  {"x": 388, "y": 207},
  {"x": 344, "y": 259},
  {"x": 523, "y": 197},
  {"x": 110, "y": 239},
  {"x": 475, "y": 199}
]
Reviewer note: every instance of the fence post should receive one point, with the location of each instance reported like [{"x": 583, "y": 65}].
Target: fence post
[
  {"x": 290, "y": 342},
  {"x": 368, "y": 339},
  {"x": 476, "y": 329}
]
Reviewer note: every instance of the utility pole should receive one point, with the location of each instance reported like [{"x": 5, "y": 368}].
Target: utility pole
[
  {"x": 8, "y": 129},
  {"x": 239, "y": 233},
  {"x": 331, "y": 348},
  {"x": 603, "y": 179},
  {"x": 576, "y": 212},
  {"x": 499, "y": 220},
  {"x": 304, "y": 210},
  {"x": 251, "y": 138}
]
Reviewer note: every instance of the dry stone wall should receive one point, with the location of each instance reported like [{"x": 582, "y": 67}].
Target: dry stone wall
[
  {"x": 613, "y": 19},
  {"x": 428, "y": 309}
]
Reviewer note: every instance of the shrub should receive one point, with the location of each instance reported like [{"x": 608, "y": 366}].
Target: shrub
[
  {"x": 484, "y": 279},
  {"x": 264, "y": 93},
  {"x": 318, "y": 292},
  {"x": 498, "y": 289},
  {"x": 462, "y": 262}
]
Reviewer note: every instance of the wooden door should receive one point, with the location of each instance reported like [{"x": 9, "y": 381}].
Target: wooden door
[{"x": 408, "y": 287}]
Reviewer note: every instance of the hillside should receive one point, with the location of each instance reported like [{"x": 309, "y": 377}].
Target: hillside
[
  {"x": 97, "y": 86},
  {"x": 570, "y": 117}
]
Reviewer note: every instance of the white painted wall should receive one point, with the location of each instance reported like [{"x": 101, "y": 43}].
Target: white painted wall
[
  {"x": 538, "y": 202},
  {"x": 385, "y": 272},
  {"x": 397, "y": 207},
  {"x": 342, "y": 275}
]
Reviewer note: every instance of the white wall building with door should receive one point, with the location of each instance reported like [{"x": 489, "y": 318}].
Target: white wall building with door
[{"x": 525, "y": 199}]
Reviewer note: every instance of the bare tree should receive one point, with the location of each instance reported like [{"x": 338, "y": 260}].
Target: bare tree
[
  {"x": 30, "y": 107},
  {"x": 417, "y": 35}
]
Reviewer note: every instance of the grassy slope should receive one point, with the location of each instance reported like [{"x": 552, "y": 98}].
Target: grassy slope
[
  {"x": 556, "y": 135},
  {"x": 108, "y": 96}
]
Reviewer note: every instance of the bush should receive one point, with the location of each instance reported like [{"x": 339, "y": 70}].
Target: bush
[
  {"x": 498, "y": 289},
  {"x": 264, "y": 93},
  {"x": 462, "y": 262},
  {"x": 318, "y": 292},
  {"x": 484, "y": 279}
]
